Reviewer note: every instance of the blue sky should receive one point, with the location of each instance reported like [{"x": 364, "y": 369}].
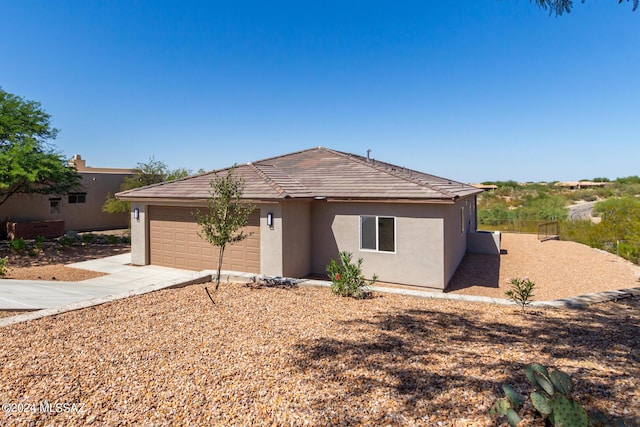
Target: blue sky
[{"x": 469, "y": 90}]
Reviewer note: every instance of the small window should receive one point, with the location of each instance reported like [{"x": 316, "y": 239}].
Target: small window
[
  {"x": 378, "y": 233},
  {"x": 462, "y": 220},
  {"x": 77, "y": 198},
  {"x": 54, "y": 206}
]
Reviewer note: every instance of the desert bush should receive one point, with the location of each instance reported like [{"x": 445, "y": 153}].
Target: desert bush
[
  {"x": 544, "y": 207},
  {"x": 346, "y": 277},
  {"x": 69, "y": 238},
  {"x": 619, "y": 230},
  {"x": 4, "y": 267},
  {"x": 18, "y": 245},
  {"x": 39, "y": 240},
  {"x": 521, "y": 292},
  {"x": 88, "y": 238},
  {"x": 112, "y": 240}
]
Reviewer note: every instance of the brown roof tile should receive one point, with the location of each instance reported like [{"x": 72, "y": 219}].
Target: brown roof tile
[{"x": 317, "y": 172}]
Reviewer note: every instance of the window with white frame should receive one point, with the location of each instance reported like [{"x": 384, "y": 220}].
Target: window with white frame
[{"x": 378, "y": 233}]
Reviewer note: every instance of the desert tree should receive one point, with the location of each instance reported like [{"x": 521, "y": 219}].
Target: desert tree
[
  {"x": 149, "y": 173},
  {"x": 558, "y": 7},
  {"x": 29, "y": 163},
  {"x": 223, "y": 222}
]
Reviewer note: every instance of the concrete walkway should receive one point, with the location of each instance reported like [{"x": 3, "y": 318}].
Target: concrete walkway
[{"x": 121, "y": 278}]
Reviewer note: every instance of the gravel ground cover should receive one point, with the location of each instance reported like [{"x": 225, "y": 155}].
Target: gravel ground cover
[
  {"x": 271, "y": 356},
  {"x": 9, "y": 313},
  {"x": 49, "y": 263},
  {"x": 559, "y": 269}
]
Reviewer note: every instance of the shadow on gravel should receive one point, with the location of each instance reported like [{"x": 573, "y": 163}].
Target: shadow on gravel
[
  {"x": 431, "y": 360},
  {"x": 476, "y": 270}
]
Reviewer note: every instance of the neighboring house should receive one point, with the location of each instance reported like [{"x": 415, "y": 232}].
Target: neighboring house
[
  {"x": 82, "y": 210},
  {"x": 579, "y": 185},
  {"x": 409, "y": 227},
  {"x": 485, "y": 187}
]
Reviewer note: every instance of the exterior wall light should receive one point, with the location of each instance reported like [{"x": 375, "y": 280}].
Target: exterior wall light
[
  {"x": 270, "y": 219},
  {"x": 136, "y": 214}
]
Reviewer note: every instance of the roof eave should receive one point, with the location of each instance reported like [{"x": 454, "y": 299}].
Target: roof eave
[{"x": 439, "y": 201}]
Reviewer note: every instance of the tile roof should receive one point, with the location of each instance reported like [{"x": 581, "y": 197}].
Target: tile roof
[{"x": 316, "y": 172}]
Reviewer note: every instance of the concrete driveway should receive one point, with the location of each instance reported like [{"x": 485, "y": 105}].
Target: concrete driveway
[{"x": 121, "y": 278}]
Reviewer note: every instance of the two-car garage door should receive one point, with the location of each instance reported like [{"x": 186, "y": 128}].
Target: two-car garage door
[{"x": 174, "y": 242}]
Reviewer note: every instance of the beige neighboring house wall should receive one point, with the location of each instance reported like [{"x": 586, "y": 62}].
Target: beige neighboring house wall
[{"x": 81, "y": 211}]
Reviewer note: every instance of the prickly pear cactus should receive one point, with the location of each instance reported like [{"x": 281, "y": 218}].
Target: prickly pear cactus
[
  {"x": 541, "y": 402},
  {"x": 568, "y": 413},
  {"x": 562, "y": 382},
  {"x": 514, "y": 398},
  {"x": 544, "y": 382},
  {"x": 531, "y": 369},
  {"x": 500, "y": 407},
  {"x": 552, "y": 399}
]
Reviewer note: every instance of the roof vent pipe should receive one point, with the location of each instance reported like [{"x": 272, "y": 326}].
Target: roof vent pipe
[{"x": 369, "y": 154}]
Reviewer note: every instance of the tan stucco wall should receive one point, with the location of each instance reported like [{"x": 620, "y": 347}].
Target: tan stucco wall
[
  {"x": 296, "y": 238},
  {"x": 78, "y": 217},
  {"x": 285, "y": 248},
  {"x": 305, "y": 236},
  {"x": 139, "y": 235},
  {"x": 271, "y": 240},
  {"x": 419, "y": 256},
  {"x": 455, "y": 238}
]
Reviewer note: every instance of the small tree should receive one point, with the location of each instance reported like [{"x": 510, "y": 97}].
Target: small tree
[
  {"x": 226, "y": 216},
  {"x": 152, "y": 172},
  {"x": 521, "y": 292}
]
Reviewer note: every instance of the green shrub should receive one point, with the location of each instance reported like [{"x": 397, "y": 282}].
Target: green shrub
[
  {"x": 4, "y": 267},
  {"x": 347, "y": 279},
  {"x": 552, "y": 400},
  {"x": 38, "y": 242},
  {"x": 521, "y": 291},
  {"x": 65, "y": 241},
  {"x": 69, "y": 238},
  {"x": 618, "y": 231},
  {"x": 18, "y": 245},
  {"x": 112, "y": 240},
  {"x": 88, "y": 238}
]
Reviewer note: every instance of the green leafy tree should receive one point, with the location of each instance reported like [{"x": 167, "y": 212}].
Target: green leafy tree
[
  {"x": 28, "y": 162},
  {"x": 558, "y": 7},
  {"x": 222, "y": 224},
  {"x": 152, "y": 172}
]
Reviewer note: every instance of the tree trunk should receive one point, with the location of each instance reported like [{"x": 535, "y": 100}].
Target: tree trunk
[{"x": 220, "y": 256}]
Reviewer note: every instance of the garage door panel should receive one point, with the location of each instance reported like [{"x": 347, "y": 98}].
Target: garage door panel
[{"x": 174, "y": 242}]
